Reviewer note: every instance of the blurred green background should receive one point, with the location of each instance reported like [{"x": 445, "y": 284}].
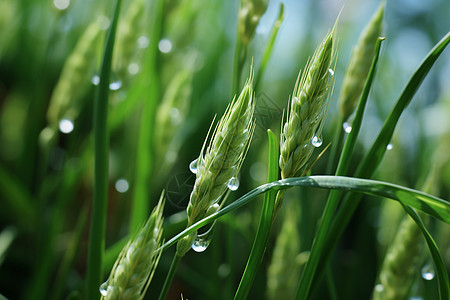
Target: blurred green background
[{"x": 46, "y": 148}]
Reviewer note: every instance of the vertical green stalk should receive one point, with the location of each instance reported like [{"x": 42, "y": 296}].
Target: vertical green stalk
[
  {"x": 265, "y": 223},
  {"x": 334, "y": 197},
  {"x": 141, "y": 205},
  {"x": 101, "y": 154}
]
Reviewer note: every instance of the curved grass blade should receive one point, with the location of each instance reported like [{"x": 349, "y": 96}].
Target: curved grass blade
[
  {"x": 101, "y": 148},
  {"x": 441, "y": 271},
  {"x": 431, "y": 205},
  {"x": 265, "y": 223},
  {"x": 333, "y": 199}
]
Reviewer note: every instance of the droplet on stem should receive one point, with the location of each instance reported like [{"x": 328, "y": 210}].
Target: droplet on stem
[
  {"x": 390, "y": 146},
  {"x": 202, "y": 241},
  {"x": 347, "y": 127},
  {"x": 193, "y": 166},
  {"x": 316, "y": 141},
  {"x": 104, "y": 288},
  {"x": 233, "y": 183},
  {"x": 428, "y": 272}
]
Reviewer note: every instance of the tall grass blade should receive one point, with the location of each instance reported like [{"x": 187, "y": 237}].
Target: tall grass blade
[
  {"x": 101, "y": 149},
  {"x": 265, "y": 223}
]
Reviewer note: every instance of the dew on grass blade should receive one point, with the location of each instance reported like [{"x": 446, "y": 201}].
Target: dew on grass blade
[
  {"x": 61, "y": 4},
  {"x": 95, "y": 80},
  {"x": 193, "y": 166},
  {"x": 331, "y": 72},
  {"x": 115, "y": 85},
  {"x": 65, "y": 126},
  {"x": 122, "y": 185},
  {"x": 202, "y": 241},
  {"x": 428, "y": 272},
  {"x": 316, "y": 141},
  {"x": 165, "y": 46},
  {"x": 233, "y": 183},
  {"x": 133, "y": 68},
  {"x": 390, "y": 146},
  {"x": 104, "y": 288},
  {"x": 143, "y": 41},
  {"x": 347, "y": 127}
]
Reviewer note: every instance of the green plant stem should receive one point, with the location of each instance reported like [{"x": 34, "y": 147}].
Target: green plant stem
[
  {"x": 336, "y": 147},
  {"x": 239, "y": 58},
  {"x": 169, "y": 278},
  {"x": 101, "y": 153},
  {"x": 269, "y": 47},
  {"x": 141, "y": 204},
  {"x": 334, "y": 197},
  {"x": 265, "y": 223}
]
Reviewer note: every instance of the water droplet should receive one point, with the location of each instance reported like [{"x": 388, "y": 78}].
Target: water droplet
[
  {"x": 379, "y": 287},
  {"x": 115, "y": 85},
  {"x": 66, "y": 126},
  {"x": 122, "y": 185},
  {"x": 428, "y": 272},
  {"x": 133, "y": 68},
  {"x": 233, "y": 183},
  {"x": 165, "y": 46},
  {"x": 143, "y": 41},
  {"x": 331, "y": 72},
  {"x": 104, "y": 288},
  {"x": 193, "y": 166},
  {"x": 95, "y": 80},
  {"x": 347, "y": 127},
  {"x": 103, "y": 22},
  {"x": 61, "y": 4},
  {"x": 175, "y": 116},
  {"x": 389, "y": 146},
  {"x": 202, "y": 241},
  {"x": 316, "y": 141},
  {"x": 245, "y": 131}
]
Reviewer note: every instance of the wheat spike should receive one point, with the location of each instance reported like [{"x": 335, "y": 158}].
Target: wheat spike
[{"x": 134, "y": 268}]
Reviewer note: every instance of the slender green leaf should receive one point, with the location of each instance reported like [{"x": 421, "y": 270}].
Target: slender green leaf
[
  {"x": 431, "y": 205},
  {"x": 265, "y": 223},
  {"x": 101, "y": 148},
  {"x": 441, "y": 271}
]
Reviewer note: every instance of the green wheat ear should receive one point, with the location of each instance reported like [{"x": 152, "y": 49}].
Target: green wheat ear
[
  {"x": 359, "y": 64},
  {"x": 307, "y": 111},
  {"x": 220, "y": 164},
  {"x": 250, "y": 11},
  {"x": 135, "y": 266},
  {"x": 74, "y": 80}
]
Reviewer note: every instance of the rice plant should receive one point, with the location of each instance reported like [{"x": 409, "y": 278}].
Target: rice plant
[{"x": 300, "y": 148}]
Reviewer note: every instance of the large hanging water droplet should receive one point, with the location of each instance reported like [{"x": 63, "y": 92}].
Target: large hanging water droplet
[
  {"x": 233, "y": 183},
  {"x": 193, "y": 166},
  {"x": 104, "y": 288},
  {"x": 347, "y": 127},
  {"x": 316, "y": 141},
  {"x": 428, "y": 272},
  {"x": 389, "y": 146},
  {"x": 202, "y": 241}
]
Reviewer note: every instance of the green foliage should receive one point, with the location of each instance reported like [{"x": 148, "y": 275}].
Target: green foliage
[{"x": 93, "y": 128}]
